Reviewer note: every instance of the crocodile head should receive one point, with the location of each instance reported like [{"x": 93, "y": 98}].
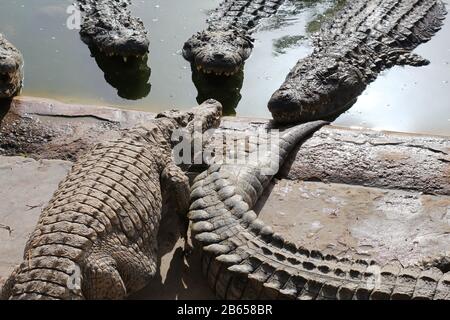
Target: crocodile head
[
  {"x": 11, "y": 62},
  {"x": 318, "y": 88},
  {"x": 112, "y": 30},
  {"x": 219, "y": 51}
]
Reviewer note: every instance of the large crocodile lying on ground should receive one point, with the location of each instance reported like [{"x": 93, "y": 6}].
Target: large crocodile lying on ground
[
  {"x": 97, "y": 237},
  {"x": 224, "y": 46},
  {"x": 244, "y": 259},
  {"x": 365, "y": 38},
  {"x": 11, "y": 74},
  {"x": 110, "y": 27}
]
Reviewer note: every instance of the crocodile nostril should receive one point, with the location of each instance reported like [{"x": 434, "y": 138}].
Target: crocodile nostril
[{"x": 219, "y": 56}]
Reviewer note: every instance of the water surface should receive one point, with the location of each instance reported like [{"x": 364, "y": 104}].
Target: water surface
[{"x": 59, "y": 65}]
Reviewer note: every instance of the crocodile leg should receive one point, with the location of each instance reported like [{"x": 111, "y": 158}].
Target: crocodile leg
[{"x": 105, "y": 280}]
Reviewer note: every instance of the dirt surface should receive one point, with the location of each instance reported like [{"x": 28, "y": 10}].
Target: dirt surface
[{"x": 360, "y": 222}]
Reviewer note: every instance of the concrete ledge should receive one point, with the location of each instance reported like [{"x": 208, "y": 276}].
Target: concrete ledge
[{"x": 31, "y": 106}]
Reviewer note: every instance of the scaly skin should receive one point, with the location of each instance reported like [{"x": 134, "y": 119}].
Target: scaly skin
[
  {"x": 109, "y": 27},
  {"x": 365, "y": 38},
  {"x": 100, "y": 228},
  {"x": 224, "y": 46},
  {"x": 11, "y": 74},
  {"x": 244, "y": 259}
]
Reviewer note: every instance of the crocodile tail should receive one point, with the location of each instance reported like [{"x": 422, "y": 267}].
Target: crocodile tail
[
  {"x": 293, "y": 136},
  {"x": 45, "y": 278},
  {"x": 243, "y": 258}
]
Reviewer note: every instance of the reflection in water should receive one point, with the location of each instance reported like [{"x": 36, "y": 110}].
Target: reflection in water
[
  {"x": 226, "y": 90},
  {"x": 130, "y": 78}
]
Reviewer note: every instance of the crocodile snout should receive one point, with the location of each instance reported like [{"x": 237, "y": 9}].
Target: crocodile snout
[{"x": 285, "y": 107}]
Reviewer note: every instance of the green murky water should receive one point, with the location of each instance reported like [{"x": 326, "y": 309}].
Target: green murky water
[{"x": 59, "y": 65}]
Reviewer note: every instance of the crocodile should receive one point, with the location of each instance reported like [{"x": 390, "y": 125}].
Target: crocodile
[
  {"x": 365, "y": 38},
  {"x": 97, "y": 238},
  {"x": 226, "y": 44},
  {"x": 11, "y": 66},
  {"x": 110, "y": 28},
  {"x": 243, "y": 258}
]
